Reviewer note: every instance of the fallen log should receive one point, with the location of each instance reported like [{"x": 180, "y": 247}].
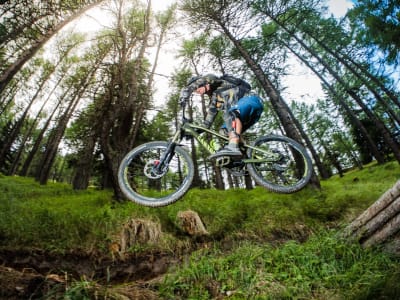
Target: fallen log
[{"x": 380, "y": 223}]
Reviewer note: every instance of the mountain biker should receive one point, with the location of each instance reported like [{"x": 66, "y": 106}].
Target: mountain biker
[{"x": 241, "y": 108}]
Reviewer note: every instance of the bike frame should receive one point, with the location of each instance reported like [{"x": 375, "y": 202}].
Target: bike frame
[
  {"x": 187, "y": 127},
  {"x": 210, "y": 146}
]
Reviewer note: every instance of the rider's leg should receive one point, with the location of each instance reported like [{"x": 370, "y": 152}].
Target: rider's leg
[
  {"x": 234, "y": 130},
  {"x": 245, "y": 114},
  {"x": 234, "y": 134}
]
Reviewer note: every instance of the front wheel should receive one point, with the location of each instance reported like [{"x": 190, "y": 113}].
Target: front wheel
[
  {"x": 143, "y": 181},
  {"x": 279, "y": 164}
]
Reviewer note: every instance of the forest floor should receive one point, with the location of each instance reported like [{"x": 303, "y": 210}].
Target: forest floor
[
  {"x": 56, "y": 243},
  {"x": 39, "y": 274}
]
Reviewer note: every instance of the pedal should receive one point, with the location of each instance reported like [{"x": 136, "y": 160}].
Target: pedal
[{"x": 222, "y": 161}]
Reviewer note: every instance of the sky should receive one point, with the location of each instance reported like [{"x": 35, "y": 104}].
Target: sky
[
  {"x": 339, "y": 7},
  {"x": 302, "y": 85}
]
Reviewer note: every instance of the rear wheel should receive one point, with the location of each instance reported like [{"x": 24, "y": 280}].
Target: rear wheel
[
  {"x": 283, "y": 166},
  {"x": 144, "y": 180}
]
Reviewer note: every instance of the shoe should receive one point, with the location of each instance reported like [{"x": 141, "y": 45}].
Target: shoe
[{"x": 227, "y": 151}]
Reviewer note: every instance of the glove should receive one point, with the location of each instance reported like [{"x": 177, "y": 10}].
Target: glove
[
  {"x": 184, "y": 96},
  {"x": 185, "y": 93}
]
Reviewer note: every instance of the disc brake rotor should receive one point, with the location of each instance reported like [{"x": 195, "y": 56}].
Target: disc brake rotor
[{"x": 152, "y": 173}]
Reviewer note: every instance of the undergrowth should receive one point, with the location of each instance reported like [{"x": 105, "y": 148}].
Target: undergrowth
[{"x": 263, "y": 245}]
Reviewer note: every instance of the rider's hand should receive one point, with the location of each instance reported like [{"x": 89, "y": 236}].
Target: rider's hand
[
  {"x": 184, "y": 96},
  {"x": 185, "y": 93}
]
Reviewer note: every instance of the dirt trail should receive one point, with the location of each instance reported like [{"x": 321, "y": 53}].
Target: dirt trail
[{"x": 34, "y": 274}]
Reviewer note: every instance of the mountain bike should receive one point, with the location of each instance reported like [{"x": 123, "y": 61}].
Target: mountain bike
[{"x": 159, "y": 173}]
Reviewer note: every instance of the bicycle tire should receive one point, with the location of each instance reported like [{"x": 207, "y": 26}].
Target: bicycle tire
[
  {"x": 139, "y": 185},
  {"x": 288, "y": 172}
]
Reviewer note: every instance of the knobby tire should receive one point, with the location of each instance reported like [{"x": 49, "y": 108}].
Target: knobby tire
[
  {"x": 140, "y": 187},
  {"x": 289, "y": 172}
]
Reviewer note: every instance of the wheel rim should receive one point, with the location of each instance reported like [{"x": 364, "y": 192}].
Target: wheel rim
[
  {"x": 145, "y": 184},
  {"x": 286, "y": 171}
]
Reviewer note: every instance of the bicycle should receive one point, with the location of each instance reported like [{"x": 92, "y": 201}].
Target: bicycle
[{"x": 161, "y": 172}]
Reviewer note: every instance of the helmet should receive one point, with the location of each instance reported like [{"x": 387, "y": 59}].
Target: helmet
[
  {"x": 202, "y": 80},
  {"x": 194, "y": 79}
]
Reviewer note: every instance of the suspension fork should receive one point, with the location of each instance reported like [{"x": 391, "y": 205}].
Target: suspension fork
[{"x": 167, "y": 155}]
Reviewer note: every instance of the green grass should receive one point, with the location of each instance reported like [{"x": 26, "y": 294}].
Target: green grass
[
  {"x": 324, "y": 267},
  {"x": 262, "y": 245},
  {"x": 54, "y": 217}
]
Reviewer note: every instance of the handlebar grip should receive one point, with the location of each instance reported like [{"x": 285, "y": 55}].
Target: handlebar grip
[
  {"x": 183, "y": 101},
  {"x": 185, "y": 93}
]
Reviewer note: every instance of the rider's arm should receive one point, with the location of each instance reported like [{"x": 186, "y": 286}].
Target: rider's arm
[
  {"x": 214, "y": 104},
  {"x": 211, "y": 114}
]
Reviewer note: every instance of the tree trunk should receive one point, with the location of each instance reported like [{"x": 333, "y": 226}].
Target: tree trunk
[
  {"x": 374, "y": 150},
  {"x": 248, "y": 182},
  {"x": 16, "y": 162},
  {"x": 84, "y": 165},
  {"x": 389, "y": 93},
  {"x": 359, "y": 75},
  {"x": 36, "y": 145},
  {"x": 380, "y": 223},
  {"x": 378, "y": 123},
  {"x": 122, "y": 118},
  {"x": 9, "y": 73},
  {"x": 8, "y": 98},
  {"x": 18, "y": 125},
  {"x": 219, "y": 181},
  {"x": 322, "y": 169},
  {"x": 134, "y": 82},
  {"x": 351, "y": 64},
  {"x": 43, "y": 173},
  {"x": 52, "y": 145}
]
